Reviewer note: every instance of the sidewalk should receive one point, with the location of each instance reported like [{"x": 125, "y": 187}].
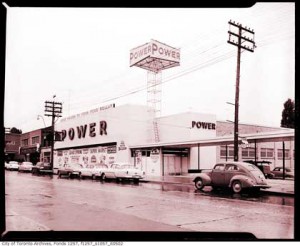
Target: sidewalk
[{"x": 278, "y": 186}]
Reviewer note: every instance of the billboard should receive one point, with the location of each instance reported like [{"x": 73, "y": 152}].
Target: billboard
[{"x": 154, "y": 50}]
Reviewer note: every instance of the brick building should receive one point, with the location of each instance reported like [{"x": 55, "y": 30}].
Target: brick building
[
  {"x": 12, "y": 145},
  {"x": 33, "y": 144}
]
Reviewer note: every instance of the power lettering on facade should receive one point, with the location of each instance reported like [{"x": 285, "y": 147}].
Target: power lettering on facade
[
  {"x": 203, "y": 125},
  {"x": 81, "y": 130}
]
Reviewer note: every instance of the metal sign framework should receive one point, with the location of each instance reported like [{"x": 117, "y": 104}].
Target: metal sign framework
[{"x": 154, "y": 57}]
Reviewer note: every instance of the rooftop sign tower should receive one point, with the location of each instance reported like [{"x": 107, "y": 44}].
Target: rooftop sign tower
[{"x": 154, "y": 57}]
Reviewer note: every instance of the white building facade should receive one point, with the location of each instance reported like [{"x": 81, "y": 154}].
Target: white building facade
[{"x": 113, "y": 134}]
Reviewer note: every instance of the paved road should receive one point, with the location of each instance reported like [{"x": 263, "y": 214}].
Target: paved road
[{"x": 45, "y": 203}]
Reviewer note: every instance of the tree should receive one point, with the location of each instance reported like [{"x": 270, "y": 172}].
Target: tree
[
  {"x": 288, "y": 114},
  {"x": 15, "y": 130}
]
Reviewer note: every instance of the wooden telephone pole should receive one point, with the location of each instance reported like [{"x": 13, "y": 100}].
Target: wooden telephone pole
[
  {"x": 55, "y": 110},
  {"x": 239, "y": 39}
]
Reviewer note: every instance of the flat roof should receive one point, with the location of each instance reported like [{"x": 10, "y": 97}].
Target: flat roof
[{"x": 274, "y": 136}]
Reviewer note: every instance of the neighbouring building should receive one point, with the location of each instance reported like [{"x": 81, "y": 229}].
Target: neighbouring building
[
  {"x": 12, "y": 146},
  {"x": 269, "y": 151},
  {"x": 35, "y": 145}
]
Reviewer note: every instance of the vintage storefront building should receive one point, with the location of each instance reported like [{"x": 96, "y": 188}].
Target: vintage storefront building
[
  {"x": 34, "y": 145},
  {"x": 121, "y": 134}
]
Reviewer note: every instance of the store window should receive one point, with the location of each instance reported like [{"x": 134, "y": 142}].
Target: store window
[
  {"x": 280, "y": 154},
  {"x": 35, "y": 140},
  {"x": 267, "y": 153},
  {"x": 248, "y": 153},
  {"x": 230, "y": 151},
  {"x": 142, "y": 153},
  {"x": 24, "y": 142}
]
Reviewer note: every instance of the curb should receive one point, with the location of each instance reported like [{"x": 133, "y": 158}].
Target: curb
[{"x": 178, "y": 183}]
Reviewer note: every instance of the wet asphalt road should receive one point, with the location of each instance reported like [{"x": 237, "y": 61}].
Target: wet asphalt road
[{"x": 48, "y": 203}]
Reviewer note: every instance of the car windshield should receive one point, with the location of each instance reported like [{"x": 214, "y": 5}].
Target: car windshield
[
  {"x": 115, "y": 166},
  {"x": 77, "y": 165},
  {"x": 13, "y": 162},
  {"x": 101, "y": 166},
  {"x": 127, "y": 166},
  {"x": 252, "y": 167},
  {"x": 219, "y": 167},
  {"x": 90, "y": 166},
  {"x": 254, "y": 170},
  {"x": 27, "y": 163}
]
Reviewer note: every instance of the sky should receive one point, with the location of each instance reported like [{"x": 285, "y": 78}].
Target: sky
[{"x": 81, "y": 55}]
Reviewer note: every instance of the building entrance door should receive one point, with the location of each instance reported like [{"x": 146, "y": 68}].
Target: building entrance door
[{"x": 175, "y": 165}]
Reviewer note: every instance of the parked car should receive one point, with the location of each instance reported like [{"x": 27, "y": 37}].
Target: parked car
[
  {"x": 70, "y": 170},
  {"x": 42, "y": 167},
  {"x": 94, "y": 171},
  {"x": 123, "y": 171},
  {"x": 13, "y": 165},
  {"x": 264, "y": 166},
  {"x": 235, "y": 175},
  {"x": 278, "y": 172},
  {"x": 26, "y": 166}
]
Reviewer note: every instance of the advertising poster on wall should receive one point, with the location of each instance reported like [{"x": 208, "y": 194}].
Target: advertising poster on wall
[
  {"x": 138, "y": 159},
  {"x": 99, "y": 155}
]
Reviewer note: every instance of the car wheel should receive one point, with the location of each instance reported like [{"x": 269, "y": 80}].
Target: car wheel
[
  {"x": 102, "y": 177},
  {"x": 58, "y": 173},
  {"x": 69, "y": 175},
  {"x": 199, "y": 184},
  {"x": 236, "y": 186},
  {"x": 93, "y": 177},
  {"x": 136, "y": 181}
]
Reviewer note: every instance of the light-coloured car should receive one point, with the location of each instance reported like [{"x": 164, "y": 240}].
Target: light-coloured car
[
  {"x": 123, "y": 171},
  {"x": 5, "y": 165},
  {"x": 234, "y": 175},
  {"x": 13, "y": 165},
  {"x": 25, "y": 166},
  {"x": 86, "y": 171},
  {"x": 94, "y": 171}
]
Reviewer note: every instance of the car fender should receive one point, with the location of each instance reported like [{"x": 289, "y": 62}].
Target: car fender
[
  {"x": 245, "y": 181},
  {"x": 205, "y": 178}
]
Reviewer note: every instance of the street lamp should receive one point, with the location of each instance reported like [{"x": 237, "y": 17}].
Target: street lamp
[{"x": 40, "y": 116}]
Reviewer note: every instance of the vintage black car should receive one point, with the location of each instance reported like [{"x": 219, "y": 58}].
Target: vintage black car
[
  {"x": 41, "y": 168},
  {"x": 234, "y": 175}
]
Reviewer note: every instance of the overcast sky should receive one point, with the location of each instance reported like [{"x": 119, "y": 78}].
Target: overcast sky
[{"x": 81, "y": 55}]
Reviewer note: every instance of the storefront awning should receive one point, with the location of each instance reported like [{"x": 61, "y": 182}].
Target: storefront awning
[{"x": 274, "y": 136}]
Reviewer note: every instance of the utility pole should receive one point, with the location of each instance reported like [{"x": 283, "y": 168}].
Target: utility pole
[
  {"x": 55, "y": 110},
  {"x": 237, "y": 38}
]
